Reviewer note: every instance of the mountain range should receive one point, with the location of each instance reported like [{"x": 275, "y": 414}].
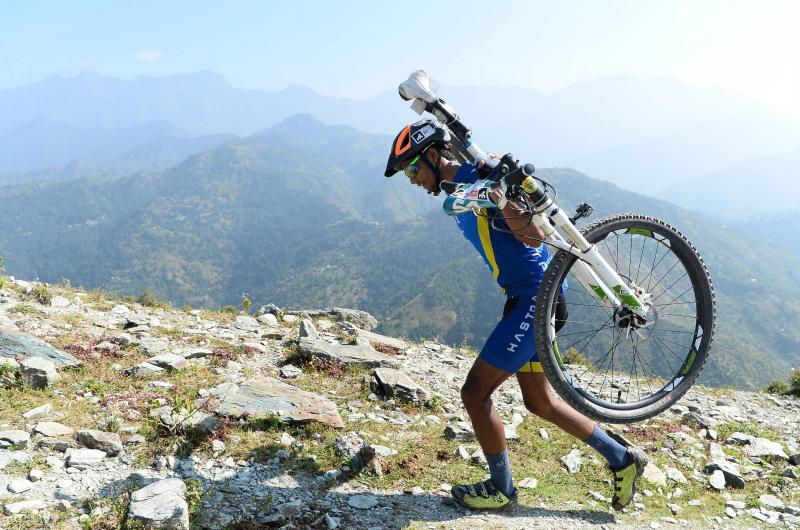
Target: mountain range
[
  {"x": 299, "y": 215},
  {"x": 656, "y": 136}
]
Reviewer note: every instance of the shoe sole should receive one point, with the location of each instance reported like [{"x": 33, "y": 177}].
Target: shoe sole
[{"x": 640, "y": 459}]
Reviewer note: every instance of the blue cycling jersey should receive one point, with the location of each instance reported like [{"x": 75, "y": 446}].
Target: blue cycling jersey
[{"x": 517, "y": 267}]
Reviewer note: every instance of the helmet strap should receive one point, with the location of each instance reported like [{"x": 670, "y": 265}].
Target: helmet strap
[{"x": 437, "y": 171}]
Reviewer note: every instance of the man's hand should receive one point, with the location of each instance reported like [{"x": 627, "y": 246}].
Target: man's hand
[{"x": 498, "y": 197}]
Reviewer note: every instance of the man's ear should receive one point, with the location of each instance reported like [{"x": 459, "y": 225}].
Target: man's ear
[{"x": 433, "y": 155}]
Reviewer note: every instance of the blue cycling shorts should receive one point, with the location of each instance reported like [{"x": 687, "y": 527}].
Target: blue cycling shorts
[{"x": 511, "y": 346}]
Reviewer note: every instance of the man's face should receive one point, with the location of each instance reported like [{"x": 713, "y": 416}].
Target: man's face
[{"x": 424, "y": 176}]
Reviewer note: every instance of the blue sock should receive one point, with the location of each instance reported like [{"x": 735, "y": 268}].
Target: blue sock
[
  {"x": 616, "y": 454},
  {"x": 500, "y": 469}
]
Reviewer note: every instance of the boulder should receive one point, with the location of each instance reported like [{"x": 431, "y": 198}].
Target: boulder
[
  {"x": 14, "y": 439},
  {"x": 654, "y": 475},
  {"x": 38, "y": 412},
  {"x": 17, "y": 345},
  {"x": 246, "y": 323},
  {"x": 460, "y": 432},
  {"x": 290, "y": 371},
  {"x": 345, "y": 354},
  {"x": 307, "y": 329},
  {"x": 362, "y": 502},
  {"x": 169, "y": 361},
  {"x": 764, "y": 447},
  {"x": 717, "y": 480},
  {"x": 38, "y": 372},
  {"x": 59, "y": 301},
  {"x": 108, "y": 442},
  {"x": 572, "y": 461},
  {"x": 153, "y": 346},
  {"x": 266, "y": 397},
  {"x": 367, "y": 338},
  {"x": 144, "y": 369},
  {"x": 362, "y": 319},
  {"x": 25, "y": 506},
  {"x": 269, "y": 319},
  {"x": 733, "y": 476},
  {"x": 52, "y": 429},
  {"x": 394, "y": 383},
  {"x": 6, "y": 457},
  {"x": 84, "y": 458},
  {"x": 161, "y": 504}
]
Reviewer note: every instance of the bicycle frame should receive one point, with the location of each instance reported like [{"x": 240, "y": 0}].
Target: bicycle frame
[{"x": 594, "y": 273}]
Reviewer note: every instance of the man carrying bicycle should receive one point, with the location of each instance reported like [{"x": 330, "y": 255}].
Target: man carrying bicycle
[{"x": 517, "y": 259}]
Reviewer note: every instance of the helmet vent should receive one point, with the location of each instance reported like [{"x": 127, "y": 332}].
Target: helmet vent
[{"x": 403, "y": 142}]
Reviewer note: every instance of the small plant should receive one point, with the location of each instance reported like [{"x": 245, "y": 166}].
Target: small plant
[
  {"x": 2, "y": 280},
  {"x": 573, "y": 356},
  {"x": 148, "y": 298},
  {"x": 246, "y": 303},
  {"x": 194, "y": 493},
  {"x": 229, "y": 309},
  {"x": 41, "y": 293},
  {"x": 777, "y": 387}
]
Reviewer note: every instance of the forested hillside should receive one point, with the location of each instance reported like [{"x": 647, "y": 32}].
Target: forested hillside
[{"x": 300, "y": 215}]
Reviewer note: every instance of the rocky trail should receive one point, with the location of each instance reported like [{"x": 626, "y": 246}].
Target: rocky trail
[{"x": 117, "y": 415}]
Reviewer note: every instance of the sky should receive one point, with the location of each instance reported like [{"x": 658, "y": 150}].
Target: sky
[{"x": 358, "y": 49}]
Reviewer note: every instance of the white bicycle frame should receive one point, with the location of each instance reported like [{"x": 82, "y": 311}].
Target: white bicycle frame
[{"x": 593, "y": 271}]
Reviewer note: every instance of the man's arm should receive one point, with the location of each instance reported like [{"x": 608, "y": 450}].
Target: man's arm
[{"x": 518, "y": 221}]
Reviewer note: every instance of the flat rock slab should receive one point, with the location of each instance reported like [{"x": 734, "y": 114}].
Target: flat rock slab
[
  {"x": 17, "y": 345},
  {"x": 24, "y": 506},
  {"x": 14, "y": 439},
  {"x": 764, "y": 447},
  {"x": 730, "y": 470},
  {"x": 38, "y": 372},
  {"x": 344, "y": 354},
  {"x": 84, "y": 458},
  {"x": 161, "y": 504},
  {"x": 391, "y": 383},
  {"x": 169, "y": 361},
  {"x": 6, "y": 457},
  {"x": 362, "y": 502},
  {"x": 52, "y": 429},
  {"x": 108, "y": 442},
  {"x": 263, "y": 397},
  {"x": 383, "y": 340}
]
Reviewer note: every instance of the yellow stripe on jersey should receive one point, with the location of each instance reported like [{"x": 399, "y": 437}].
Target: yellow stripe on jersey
[{"x": 486, "y": 243}]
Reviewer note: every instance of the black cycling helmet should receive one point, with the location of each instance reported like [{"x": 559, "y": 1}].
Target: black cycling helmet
[{"x": 412, "y": 140}]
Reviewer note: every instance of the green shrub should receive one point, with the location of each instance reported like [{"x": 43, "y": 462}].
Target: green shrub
[
  {"x": 2, "y": 280},
  {"x": 246, "y": 303},
  {"x": 573, "y": 356},
  {"x": 41, "y": 293},
  {"x": 777, "y": 387},
  {"x": 147, "y": 298},
  {"x": 229, "y": 309}
]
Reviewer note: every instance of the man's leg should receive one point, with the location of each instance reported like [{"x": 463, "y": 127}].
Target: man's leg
[
  {"x": 476, "y": 394},
  {"x": 538, "y": 398},
  {"x": 626, "y": 465},
  {"x": 482, "y": 380}
]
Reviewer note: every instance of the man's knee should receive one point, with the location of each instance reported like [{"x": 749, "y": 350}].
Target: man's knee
[
  {"x": 544, "y": 408},
  {"x": 472, "y": 399}
]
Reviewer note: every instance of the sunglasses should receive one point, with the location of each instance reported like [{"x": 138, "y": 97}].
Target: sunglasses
[{"x": 413, "y": 167}]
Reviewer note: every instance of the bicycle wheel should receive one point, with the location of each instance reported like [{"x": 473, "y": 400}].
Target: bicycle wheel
[{"x": 607, "y": 363}]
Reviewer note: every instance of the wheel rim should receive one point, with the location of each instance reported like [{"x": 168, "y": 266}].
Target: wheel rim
[{"x": 629, "y": 364}]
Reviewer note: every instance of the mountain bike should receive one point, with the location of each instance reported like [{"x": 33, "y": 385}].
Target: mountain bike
[{"x": 639, "y": 297}]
